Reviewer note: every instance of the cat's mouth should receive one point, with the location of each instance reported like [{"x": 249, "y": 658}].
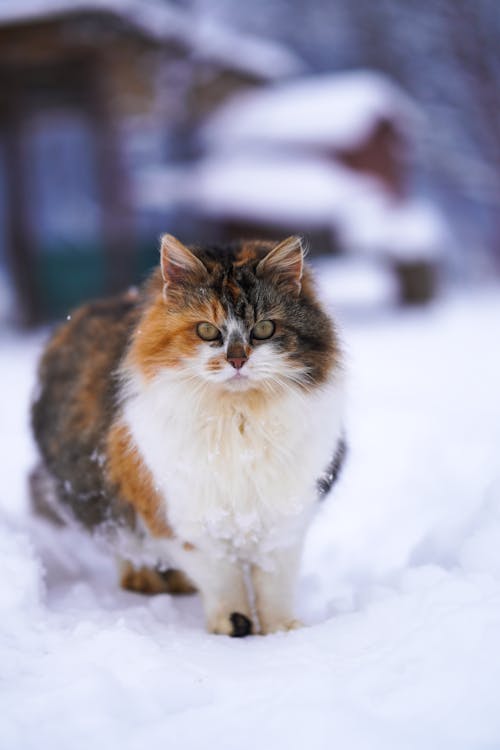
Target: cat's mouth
[{"x": 238, "y": 381}]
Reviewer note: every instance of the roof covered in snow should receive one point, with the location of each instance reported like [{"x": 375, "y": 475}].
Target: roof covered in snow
[
  {"x": 161, "y": 21},
  {"x": 308, "y": 193},
  {"x": 333, "y": 110}
]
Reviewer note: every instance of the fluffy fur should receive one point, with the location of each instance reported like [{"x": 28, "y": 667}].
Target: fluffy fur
[{"x": 200, "y": 449}]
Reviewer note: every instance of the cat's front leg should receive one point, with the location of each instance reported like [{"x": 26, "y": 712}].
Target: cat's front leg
[
  {"x": 221, "y": 584},
  {"x": 274, "y": 588}
]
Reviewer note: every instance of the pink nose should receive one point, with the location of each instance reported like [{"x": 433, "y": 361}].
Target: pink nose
[{"x": 237, "y": 362}]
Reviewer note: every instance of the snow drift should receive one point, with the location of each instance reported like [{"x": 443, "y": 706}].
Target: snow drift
[{"x": 400, "y": 585}]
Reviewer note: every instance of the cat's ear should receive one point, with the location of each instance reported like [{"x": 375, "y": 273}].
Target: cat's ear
[
  {"x": 284, "y": 264},
  {"x": 178, "y": 263}
]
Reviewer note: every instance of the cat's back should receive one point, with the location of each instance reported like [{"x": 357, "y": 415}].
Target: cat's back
[{"x": 75, "y": 399}]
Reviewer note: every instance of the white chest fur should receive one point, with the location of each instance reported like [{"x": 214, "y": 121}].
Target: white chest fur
[{"x": 235, "y": 471}]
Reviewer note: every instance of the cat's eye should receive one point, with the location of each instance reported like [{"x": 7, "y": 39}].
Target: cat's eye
[
  {"x": 264, "y": 329},
  {"x": 207, "y": 332}
]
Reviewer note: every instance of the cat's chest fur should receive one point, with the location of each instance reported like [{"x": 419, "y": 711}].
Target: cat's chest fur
[{"x": 237, "y": 471}]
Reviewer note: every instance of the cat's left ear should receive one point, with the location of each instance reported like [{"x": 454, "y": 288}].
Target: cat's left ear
[
  {"x": 284, "y": 264},
  {"x": 178, "y": 263}
]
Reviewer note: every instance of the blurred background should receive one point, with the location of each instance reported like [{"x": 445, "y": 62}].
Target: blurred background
[{"x": 372, "y": 129}]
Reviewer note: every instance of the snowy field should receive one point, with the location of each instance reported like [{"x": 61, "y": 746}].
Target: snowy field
[{"x": 400, "y": 585}]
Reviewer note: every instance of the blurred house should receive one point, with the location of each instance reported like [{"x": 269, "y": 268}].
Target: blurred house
[
  {"x": 327, "y": 156},
  {"x": 91, "y": 93}
]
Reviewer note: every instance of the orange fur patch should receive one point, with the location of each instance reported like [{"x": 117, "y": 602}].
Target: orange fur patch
[
  {"x": 166, "y": 334},
  {"x": 128, "y": 472},
  {"x": 216, "y": 364},
  {"x": 151, "y": 581},
  {"x": 232, "y": 289},
  {"x": 142, "y": 580},
  {"x": 248, "y": 252}
]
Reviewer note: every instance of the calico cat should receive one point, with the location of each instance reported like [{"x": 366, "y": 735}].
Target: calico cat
[{"x": 195, "y": 423}]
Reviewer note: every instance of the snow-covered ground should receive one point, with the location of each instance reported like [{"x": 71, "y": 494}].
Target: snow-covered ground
[{"x": 400, "y": 585}]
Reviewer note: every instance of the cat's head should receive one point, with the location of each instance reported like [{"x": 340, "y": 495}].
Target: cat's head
[{"x": 240, "y": 317}]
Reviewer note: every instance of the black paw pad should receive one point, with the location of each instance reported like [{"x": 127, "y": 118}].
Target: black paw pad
[{"x": 242, "y": 626}]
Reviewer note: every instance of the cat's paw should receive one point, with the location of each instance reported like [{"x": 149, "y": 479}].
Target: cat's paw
[
  {"x": 280, "y": 626},
  {"x": 236, "y": 625},
  {"x": 142, "y": 580},
  {"x": 146, "y": 580}
]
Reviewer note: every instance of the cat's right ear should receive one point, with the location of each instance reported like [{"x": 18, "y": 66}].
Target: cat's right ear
[{"x": 178, "y": 263}]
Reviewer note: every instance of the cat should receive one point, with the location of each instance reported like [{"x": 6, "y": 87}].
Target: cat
[{"x": 195, "y": 423}]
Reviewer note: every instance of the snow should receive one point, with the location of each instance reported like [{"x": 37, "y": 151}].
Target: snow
[
  {"x": 291, "y": 191},
  {"x": 336, "y": 110},
  {"x": 269, "y": 188},
  {"x": 160, "y": 20},
  {"x": 399, "y": 589},
  {"x": 264, "y": 58},
  {"x": 268, "y": 165}
]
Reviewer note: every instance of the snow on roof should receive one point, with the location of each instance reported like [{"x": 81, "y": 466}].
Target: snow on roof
[
  {"x": 303, "y": 192},
  {"x": 338, "y": 110},
  {"x": 159, "y": 20},
  {"x": 275, "y": 189},
  {"x": 266, "y": 59}
]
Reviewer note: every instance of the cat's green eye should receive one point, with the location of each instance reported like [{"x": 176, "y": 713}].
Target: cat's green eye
[
  {"x": 264, "y": 329},
  {"x": 207, "y": 332}
]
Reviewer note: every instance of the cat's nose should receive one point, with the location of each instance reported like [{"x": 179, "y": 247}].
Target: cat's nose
[
  {"x": 236, "y": 354},
  {"x": 237, "y": 362}
]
